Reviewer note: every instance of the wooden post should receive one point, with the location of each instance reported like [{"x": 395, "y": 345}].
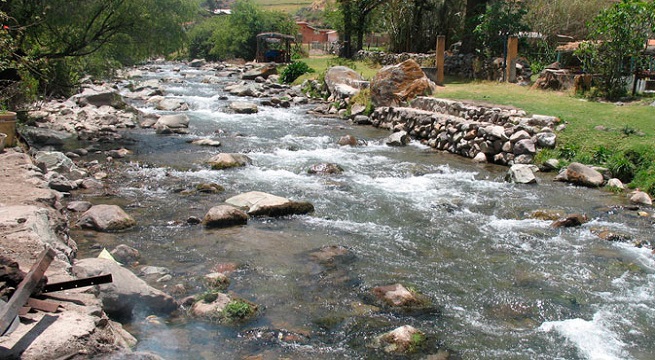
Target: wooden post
[
  {"x": 25, "y": 288},
  {"x": 512, "y": 55},
  {"x": 441, "y": 55}
]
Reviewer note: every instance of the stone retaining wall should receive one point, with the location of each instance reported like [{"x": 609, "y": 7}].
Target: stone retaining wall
[{"x": 502, "y": 135}]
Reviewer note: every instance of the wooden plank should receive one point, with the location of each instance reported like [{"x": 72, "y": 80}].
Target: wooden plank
[
  {"x": 43, "y": 305},
  {"x": 25, "y": 288}
]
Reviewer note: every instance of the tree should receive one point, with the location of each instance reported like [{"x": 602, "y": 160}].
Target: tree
[
  {"x": 236, "y": 36},
  {"x": 66, "y": 36},
  {"x": 356, "y": 21},
  {"x": 619, "y": 35},
  {"x": 474, "y": 9},
  {"x": 503, "y": 18}
]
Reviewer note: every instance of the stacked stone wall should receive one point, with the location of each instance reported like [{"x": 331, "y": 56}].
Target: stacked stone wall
[{"x": 502, "y": 135}]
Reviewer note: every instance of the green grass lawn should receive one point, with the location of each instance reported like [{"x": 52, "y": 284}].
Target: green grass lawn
[
  {"x": 623, "y": 122},
  {"x": 287, "y": 6}
]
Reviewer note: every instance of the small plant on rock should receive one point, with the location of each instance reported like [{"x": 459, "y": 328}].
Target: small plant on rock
[{"x": 238, "y": 310}]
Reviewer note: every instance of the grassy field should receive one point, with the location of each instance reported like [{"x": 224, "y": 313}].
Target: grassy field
[{"x": 287, "y": 6}]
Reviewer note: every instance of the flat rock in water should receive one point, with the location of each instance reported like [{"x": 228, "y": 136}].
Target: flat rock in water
[
  {"x": 260, "y": 203},
  {"x": 206, "y": 142},
  {"x": 399, "y": 138},
  {"x": 580, "y": 174},
  {"x": 521, "y": 174},
  {"x": 226, "y": 161},
  {"x": 224, "y": 216},
  {"x": 241, "y": 107},
  {"x": 640, "y": 197},
  {"x": 173, "y": 121},
  {"x": 570, "y": 221},
  {"x": 106, "y": 218},
  {"x": 325, "y": 169}
]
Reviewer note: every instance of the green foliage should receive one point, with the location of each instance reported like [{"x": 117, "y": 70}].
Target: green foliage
[
  {"x": 294, "y": 70},
  {"x": 503, "y": 18},
  {"x": 621, "y": 167},
  {"x": 569, "y": 152},
  {"x": 601, "y": 154},
  {"x": 238, "y": 309},
  {"x": 235, "y": 36},
  {"x": 628, "y": 130},
  {"x": 619, "y": 36},
  {"x": 645, "y": 179}
]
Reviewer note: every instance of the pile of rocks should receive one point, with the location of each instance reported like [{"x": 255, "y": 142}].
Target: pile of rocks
[{"x": 500, "y": 135}]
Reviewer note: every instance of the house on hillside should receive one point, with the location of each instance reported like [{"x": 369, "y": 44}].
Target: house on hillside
[{"x": 315, "y": 37}]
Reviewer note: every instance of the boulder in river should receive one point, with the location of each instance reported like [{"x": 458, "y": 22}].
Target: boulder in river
[
  {"x": 126, "y": 254},
  {"x": 259, "y": 203},
  {"x": 397, "y": 295},
  {"x": 242, "y": 107},
  {"x": 227, "y": 160},
  {"x": 173, "y": 121},
  {"x": 347, "y": 140},
  {"x": 172, "y": 104},
  {"x": 521, "y": 174},
  {"x": 325, "y": 169},
  {"x": 570, "y": 221},
  {"x": 224, "y": 216},
  {"x": 399, "y": 138},
  {"x": 127, "y": 292},
  {"x": 106, "y": 218},
  {"x": 264, "y": 71},
  {"x": 402, "y": 340},
  {"x": 580, "y": 174},
  {"x": 641, "y": 198},
  {"x": 217, "y": 306}
]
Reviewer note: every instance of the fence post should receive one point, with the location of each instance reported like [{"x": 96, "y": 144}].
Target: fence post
[
  {"x": 441, "y": 53},
  {"x": 512, "y": 55}
]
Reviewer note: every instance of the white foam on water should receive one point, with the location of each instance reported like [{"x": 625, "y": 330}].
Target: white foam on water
[{"x": 594, "y": 339}]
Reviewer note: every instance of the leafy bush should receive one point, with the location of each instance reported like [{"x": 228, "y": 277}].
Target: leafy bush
[
  {"x": 569, "y": 152},
  {"x": 601, "y": 155},
  {"x": 238, "y": 310},
  {"x": 293, "y": 71},
  {"x": 621, "y": 167}
]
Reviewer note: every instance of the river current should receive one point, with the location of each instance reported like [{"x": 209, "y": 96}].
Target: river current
[{"x": 507, "y": 286}]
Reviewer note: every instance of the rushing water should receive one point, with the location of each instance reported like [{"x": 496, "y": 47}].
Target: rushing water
[{"x": 506, "y": 286}]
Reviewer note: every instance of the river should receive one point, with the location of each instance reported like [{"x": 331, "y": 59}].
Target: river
[{"x": 506, "y": 286}]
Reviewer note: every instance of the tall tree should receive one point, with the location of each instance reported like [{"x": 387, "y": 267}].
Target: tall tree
[
  {"x": 356, "y": 21},
  {"x": 474, "y": 10}
]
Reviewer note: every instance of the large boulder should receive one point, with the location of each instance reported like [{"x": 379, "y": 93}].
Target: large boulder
[
  {"x": 242, "y": 107},
  {"x": 100, "y": 96},
  {"x": 227, "y": 160},
  {"x": 260, "y": 203},
  {"x": 44, "y": 136},
  {"x": 521, "y": 174},
  {"x": 58, "y": 162},
  {"x": 264, "y": 71},
  {"x": 173, "y": 121},
  {"x": 325, "y": 169},
  {"x": 580, "y": 174},
  {"x": 641, "y": 198},
  {"x": 397, "y": 295},
  {"x": 224, "y": 216},
  {"x": 395, "y": 84},
  {"x": 126, "y": 293},
  {"x": 343, "y": 82},
  {"x": 399, "y": 138},
  {"x": 106, "y": 218},
  {"x": 172, "y": 104}
]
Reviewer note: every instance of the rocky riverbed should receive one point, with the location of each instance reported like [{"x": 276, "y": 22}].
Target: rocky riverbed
[{"x": 36, "y": 212}]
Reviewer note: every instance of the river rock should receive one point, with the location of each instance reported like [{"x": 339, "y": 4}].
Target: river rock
[
  {"x": 172, "y": 104},
  {"x": 106, "y": 218},
  {"x": 127, "y": 292},
  {"x": 325, "y": 169},
  {"x": 521, "y": 174},
  {"x": 347, "y": 140},
  {"x": 580, "y": 174},
  {"x": 403, "y": 340},
  {"x": 206, "y": 142},
  {"x": 342, "y": 82},
  {"x": 241, "y": 107},
  {"x": 100, "y": 96},
  {"x": 58, "y": 162},
  {"x": 480, "y": 158},
  {"x": 173, "y": 121},
  {"x": 216, "y": 281},
  {"x": 570, "y": 221},
  {"x": 263, "y": 71},
  {"x": 126, "y": 254},
  {"x": 396, "y": 84},
  {"x": 252, "y": 90},
  {"x": 615, "y": 183},
  {"x": 44, "y": 136},
  {"x": 79, "y": 206},
  {"x": 641, "y": 198},
  {"x": 397, "y": 295},
  {"x": 260, "y": 203},
  {"x": 399, "y": 138},
  {"x": 60, "y": 183},
  {"x": 227, "y": 160},
  {"x": 197, "y": 63},
  {"x": 224, "y": 216}
]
